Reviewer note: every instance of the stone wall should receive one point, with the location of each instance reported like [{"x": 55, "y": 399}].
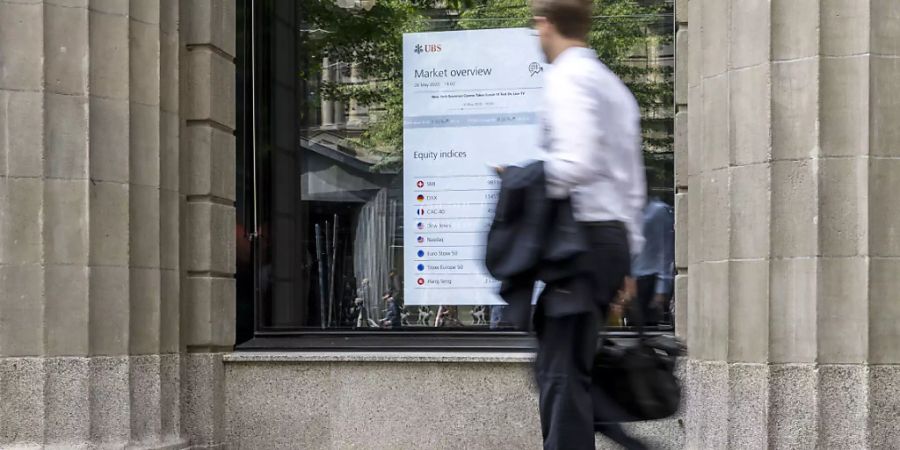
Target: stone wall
[
  {"x": 117, "y": 255},
  {"x": 208, "y": 157},
  {"x": 116, "y": 218},
  {"x": 787, "y": 153},
  {"x": 393, "y": 401}
]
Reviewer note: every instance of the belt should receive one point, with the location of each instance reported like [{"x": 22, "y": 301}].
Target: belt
[{"x": 605, "y": 224}]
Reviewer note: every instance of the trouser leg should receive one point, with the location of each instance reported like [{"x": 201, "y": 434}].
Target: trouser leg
[
  {"x": 566, "y": 347},
  {"x": 650, "y": 314},
  {"x": 616, "y": 434},
  {"x": 606, "y": 413}
]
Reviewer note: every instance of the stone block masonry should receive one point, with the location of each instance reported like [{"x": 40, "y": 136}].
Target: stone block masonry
[
  {"x": 794, "y": 346},
  {"x": 95, "y": 176}
]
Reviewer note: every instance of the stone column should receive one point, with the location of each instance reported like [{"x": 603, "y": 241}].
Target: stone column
[
  {"x": 89, "y": 333},
  {"x": 789, "y": 234},
  {"x": 357, "y": 115},
  {"x": 327, "y": 105},
  {"x": 681, "y": 166},
  {"x": 879, "y": 178},
  {"x": 339, "y": 107},
  {"x": 207, "y": 201}
]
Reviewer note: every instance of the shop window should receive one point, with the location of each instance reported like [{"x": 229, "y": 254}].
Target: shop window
[{"x": 326, "y": 214}]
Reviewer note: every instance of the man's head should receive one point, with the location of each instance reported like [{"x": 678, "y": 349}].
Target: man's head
[{"x": 561, "y": 24}]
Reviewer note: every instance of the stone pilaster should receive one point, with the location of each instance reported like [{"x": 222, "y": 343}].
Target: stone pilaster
[
  {"x": 881, "y": 216},
  {"x": 89, "y": 353},
  {"x": 789, "y": 139},
  {"x": 207, "y": 194},
  {"x": 682, "y": 118},
  {"x": 357, "y": 117},
  {"x": 327, "y": 105}
]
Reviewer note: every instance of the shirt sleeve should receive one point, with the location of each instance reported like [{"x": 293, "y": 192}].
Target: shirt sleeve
[
  {"x": 636, "y": 194},
  {"x": 573, "y": 155},
  {"x": 666, "y": 257},
  {"x": 577, "y": 152}
]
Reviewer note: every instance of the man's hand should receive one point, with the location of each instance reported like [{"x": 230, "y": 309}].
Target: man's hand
[
  {"x": 626, "y": 293},
  {"x": 659, "y": 300},
  {"x": 629, "y": 289}
]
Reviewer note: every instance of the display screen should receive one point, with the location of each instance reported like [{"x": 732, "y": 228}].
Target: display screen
[{"x": 471, "y": 102}]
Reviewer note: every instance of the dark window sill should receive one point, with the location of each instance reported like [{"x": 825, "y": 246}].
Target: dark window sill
[{"x": 408, "y": 341}]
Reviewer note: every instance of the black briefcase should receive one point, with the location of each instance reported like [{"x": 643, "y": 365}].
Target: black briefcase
[{"x": 638, "y": 378}]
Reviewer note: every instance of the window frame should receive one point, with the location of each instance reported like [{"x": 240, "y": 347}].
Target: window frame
[{"x": 251, "y": 45}]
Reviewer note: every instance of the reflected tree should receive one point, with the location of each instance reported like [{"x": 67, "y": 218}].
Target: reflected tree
[{"x": 625, "y": 35}]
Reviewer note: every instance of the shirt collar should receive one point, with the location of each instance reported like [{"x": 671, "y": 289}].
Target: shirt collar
[{"x": 575, "y": 52}]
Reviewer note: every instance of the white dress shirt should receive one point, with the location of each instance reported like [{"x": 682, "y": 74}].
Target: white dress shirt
[{"x": 592, "y": 139}]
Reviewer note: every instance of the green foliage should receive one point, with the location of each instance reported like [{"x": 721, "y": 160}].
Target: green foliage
[
  {"x": 372, "y": 41},
  {"x": 622, "y": 29}
]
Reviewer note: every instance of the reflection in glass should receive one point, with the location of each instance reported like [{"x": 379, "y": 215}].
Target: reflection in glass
[{"x": 331, "y": 229}]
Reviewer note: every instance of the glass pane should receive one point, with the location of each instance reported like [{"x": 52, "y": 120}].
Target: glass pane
[{"x": 332, "y": 250}]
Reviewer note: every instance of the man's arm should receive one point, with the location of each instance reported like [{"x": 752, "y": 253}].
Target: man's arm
[
  {"x": 636, "y": 197},
  {"x": 574, "y": 156},
  {"x": 666, "y": 252}
]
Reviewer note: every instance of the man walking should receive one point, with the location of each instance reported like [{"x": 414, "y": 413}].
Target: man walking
[
  {"x": 653, "y": 268},
  {"x": 593, "y": 157}
]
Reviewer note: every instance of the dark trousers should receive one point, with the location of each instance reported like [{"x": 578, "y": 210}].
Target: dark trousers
[
  {"x": 650, "y": 313},
  {"x": 566, "y": 347},
  {"x": 569, "y": 409}
]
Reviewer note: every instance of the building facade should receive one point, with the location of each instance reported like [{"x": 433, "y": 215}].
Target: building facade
[
  {"x": 133, "y": 314},
  {"x": 786, "y": 222},
  {"x": 117, "y": 251}
]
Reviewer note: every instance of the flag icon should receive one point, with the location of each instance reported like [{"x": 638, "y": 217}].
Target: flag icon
[
  {"x": 420, "y": 211},
  {"x": 420, "y": 281},
  {"x": 420, "y": 240},
  {"x": 420, "y": 225},
  {"x": 421, "y": 267},
  {"x": 420, "y": 198},
  {"x": 421, "y": 253},
  {"x": 420, "y": 184}
]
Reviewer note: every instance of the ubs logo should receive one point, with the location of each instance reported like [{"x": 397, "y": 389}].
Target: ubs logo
[{"x": 427, "y": 48}]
